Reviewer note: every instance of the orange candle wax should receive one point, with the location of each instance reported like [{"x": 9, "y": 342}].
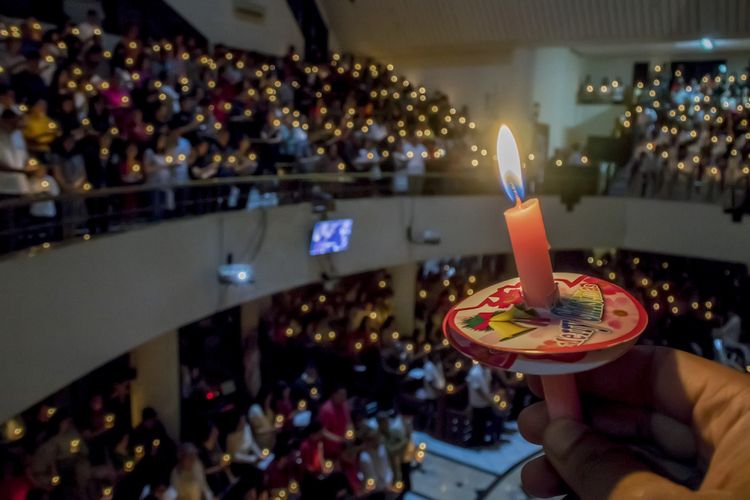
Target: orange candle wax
[{"x": 531, "y": 252}]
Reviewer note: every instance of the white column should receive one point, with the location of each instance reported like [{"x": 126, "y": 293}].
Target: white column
[
  {"x": 157, "y": 382},
  {"x": 404, "y": 285}
]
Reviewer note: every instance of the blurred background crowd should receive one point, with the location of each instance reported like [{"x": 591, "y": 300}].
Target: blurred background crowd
[{"x": 327, "y": 398}]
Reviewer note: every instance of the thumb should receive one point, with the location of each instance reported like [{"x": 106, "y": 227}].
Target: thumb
[{"x": 596, "y": 468}]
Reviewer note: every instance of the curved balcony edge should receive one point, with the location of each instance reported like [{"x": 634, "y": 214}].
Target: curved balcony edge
[{"x": 68, "y": 310}]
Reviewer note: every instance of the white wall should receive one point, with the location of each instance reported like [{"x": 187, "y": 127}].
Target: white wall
[
  {"x": 496, "y": 89},
  {"x": 555, "y": 84},
  {"x": 68, "y": 310},
  {"x": 218, "y": 22}
]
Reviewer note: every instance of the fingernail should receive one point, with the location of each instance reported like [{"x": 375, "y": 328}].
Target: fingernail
[{"x": 562, "y": 435}]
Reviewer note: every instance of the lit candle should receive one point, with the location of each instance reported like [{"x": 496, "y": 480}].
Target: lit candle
[
  {"x": 526, "y": 228},
  {"x": 531, "y": 253}
]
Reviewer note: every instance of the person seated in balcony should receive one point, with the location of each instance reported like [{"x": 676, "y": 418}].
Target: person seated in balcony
[
  {"x": 67, "y": 117},
  {"x": 11, "y": 59},
  {"x": 294, "y": 143},
  {"x": 271, "y": 136},
  {"x": 15, "y": 169},
  {"x": 575, "y": 156},
  {"x": 91, "y": 26},
  {"x": 39, "y": 130},
  {"x": 204, "y": 162},
  {"x": 28, "y": 83},
  {"x": 184, "y": 120},
  {"x": 43, "y": 213},
  {"x": 368, "y": 158},
  {"x": 69, "y": 170},
  {"x": 136, "y": 130},
  {"x": 416, "y": 154}
]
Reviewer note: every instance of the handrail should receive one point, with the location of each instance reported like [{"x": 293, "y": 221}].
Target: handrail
[
  {"x": 341, "y": 178},
  {"x": 83, "y": 214}
]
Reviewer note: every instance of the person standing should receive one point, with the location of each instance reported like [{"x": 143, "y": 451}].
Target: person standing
[
  {"x": 433, "y": 387},
  {"x": 188, "y": 477},
  {"x": 393, "y": 434},
  {"x": 336, "y": 420},
  {"x": 15, "y": 168},
  {"x": 480, "y": 400}
]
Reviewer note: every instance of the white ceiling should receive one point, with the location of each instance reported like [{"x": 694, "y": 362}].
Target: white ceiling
[{"x": 433, "y": 28}]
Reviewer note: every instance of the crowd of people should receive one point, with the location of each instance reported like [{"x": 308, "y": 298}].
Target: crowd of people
[
  {"x": 328, "y": 393},
  {"x": 334, "y": 419},
  {"x": 76, "y": 115},
  {"x": 607, "y": 91},
  {"x": 690, "y": 134},
  {"x": 394, "y": 382}
]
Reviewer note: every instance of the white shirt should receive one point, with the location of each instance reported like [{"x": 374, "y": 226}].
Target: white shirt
[
  {"x": 86, "y": 30},
  {"x": 263, "y": 426},
  {"x": 180, "y": 167},
  {"x": 415, "y": 154},
  {"x": 478, "y": 381},
  {"x": 13, "y": 154},
  {"x": 377, "y": 132},
  {"x": 44, "y": 185},
  {"x": 170, "y": 494},
  {"x": 242, "y": 442},
  {"x": 365, "y": 156},
  {"x": 158, "y": 168},
  {"x": 434, "y": 380},
  {"x": 374, "y": 465},
  {"x": 574, "y": 159},
  {"x": 731, "y": 330}
]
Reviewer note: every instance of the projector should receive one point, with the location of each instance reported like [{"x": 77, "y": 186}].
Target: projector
[
  {"x": 425, "y": 237},
  {"x": 236, "y": 274}
]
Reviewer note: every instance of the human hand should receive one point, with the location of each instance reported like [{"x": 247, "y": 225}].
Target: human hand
[{"x": 690, "y": 408}]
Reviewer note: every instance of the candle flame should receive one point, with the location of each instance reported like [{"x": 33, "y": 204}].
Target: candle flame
[{"x": 509, "y": 164}]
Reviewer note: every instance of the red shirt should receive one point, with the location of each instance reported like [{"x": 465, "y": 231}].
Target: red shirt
[
  {"x": 14, "y": 488},
  {"x": 336, "y": 420},
  {"x": 310, "y": 454}
]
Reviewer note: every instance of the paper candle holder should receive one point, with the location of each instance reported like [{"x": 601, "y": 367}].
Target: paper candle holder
[{"x": 592, "y": 323}]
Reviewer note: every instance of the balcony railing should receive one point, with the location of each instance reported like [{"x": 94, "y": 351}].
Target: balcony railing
[{"x": 83, "y": 214}]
